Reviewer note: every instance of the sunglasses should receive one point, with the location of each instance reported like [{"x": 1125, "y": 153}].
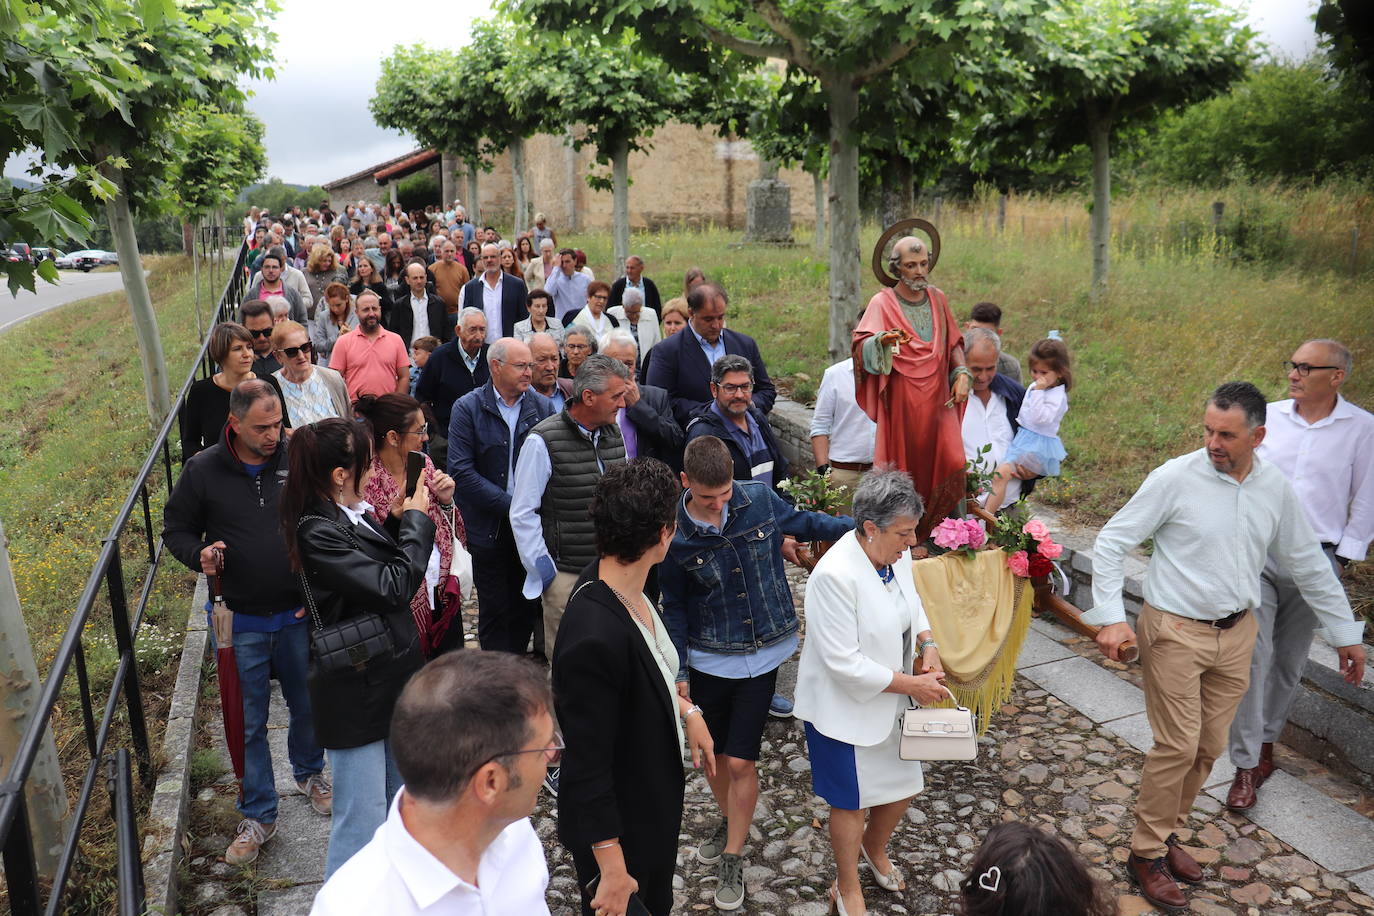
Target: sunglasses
[
  {"x": 293, "y": 352},
  {"x": 261, "y": 332}
]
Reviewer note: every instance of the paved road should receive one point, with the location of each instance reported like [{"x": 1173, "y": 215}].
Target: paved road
[{"x": 73, "y": 285}]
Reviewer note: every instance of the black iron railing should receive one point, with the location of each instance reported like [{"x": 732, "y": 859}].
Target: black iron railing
[{"x": 27, "y": 894}]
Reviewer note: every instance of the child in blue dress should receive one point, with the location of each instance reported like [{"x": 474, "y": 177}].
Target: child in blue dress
[{"x": 1036, "y": 448}]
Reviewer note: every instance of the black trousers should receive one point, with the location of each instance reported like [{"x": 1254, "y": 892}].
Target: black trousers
[{"x": 505, "y": 618}]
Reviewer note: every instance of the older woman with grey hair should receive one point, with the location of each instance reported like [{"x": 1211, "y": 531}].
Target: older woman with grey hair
[{"x": 868, "y": 648}]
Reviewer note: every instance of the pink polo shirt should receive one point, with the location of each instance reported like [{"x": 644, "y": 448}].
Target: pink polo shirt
[{"x": 369, "y": 365}]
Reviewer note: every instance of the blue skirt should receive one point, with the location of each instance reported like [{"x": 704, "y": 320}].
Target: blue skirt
[
  {"x": 1041, "y": 454},
  {"x": 852, "y": 778}
]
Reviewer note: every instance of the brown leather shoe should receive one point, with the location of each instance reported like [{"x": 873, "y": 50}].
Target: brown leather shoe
[
  {"x": 1266, "y": 763},
  {"x": 1181, "y": 865},
  {"x": 1156, "y": 885},
  {"x": 1243, "y": 789}
]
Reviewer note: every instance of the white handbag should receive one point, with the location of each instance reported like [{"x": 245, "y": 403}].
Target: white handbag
[
  {"x": 938, "y": 734},
  {"x": 460, "y": 566}
]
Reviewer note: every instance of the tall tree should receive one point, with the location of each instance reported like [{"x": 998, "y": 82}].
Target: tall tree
[
  {"x": 153, "y": 62},
  {"x": 843, "y": 46},
  {"x": 222, "y": 153},
  {"x": 618, "y": 94},
  {"x": 1105, "y": 65}
]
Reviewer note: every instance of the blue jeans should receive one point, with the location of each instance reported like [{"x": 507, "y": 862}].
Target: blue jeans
[
  {"x": 285, "y": 652},
  {"x": 365, "y": 782}
]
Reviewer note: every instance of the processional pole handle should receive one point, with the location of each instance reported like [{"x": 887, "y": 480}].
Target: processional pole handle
[{"x": 1048, "y": 602}]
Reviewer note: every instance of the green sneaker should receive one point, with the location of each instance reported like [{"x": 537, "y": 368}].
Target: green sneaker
[
  {"x": 730, "y": 893},
  {"x": 709, "y": 853}
]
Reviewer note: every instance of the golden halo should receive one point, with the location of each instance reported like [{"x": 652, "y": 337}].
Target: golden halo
[{"x": 901, "y": 230}]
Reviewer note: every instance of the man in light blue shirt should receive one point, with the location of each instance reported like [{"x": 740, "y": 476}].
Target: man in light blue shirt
[
  {"x": 567, "y": 285},
  {"x": 1215, "y": 515}
]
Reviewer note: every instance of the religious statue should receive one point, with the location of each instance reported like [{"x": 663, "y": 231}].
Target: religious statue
[{"x": 910, "y": 376}]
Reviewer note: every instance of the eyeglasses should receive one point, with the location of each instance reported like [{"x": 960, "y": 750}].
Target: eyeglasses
[
  {"x": 293, "y": 352},
  {"x": 262, "y": 332},
  {"x": 554, "y": 751},
  {"x": 1304, "y": 369},
  {"x": 422, "y": 431},
  {"x": 737, "y": 389},
  {"x": 576, "y": 348},
  {"x": 518, "y": 367}
]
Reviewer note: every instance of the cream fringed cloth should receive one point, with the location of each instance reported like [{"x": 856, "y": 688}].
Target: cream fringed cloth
[{"x": 979, "y": 612}]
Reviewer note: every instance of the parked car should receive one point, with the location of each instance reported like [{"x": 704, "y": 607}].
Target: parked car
[
  {"x": 46, "y": 254},
  {"x": 16, "y": 253},
  {"x": 92, "y": 257}
]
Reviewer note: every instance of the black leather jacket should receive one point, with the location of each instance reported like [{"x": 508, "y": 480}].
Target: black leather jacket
[{"x": 369, "y": 573}]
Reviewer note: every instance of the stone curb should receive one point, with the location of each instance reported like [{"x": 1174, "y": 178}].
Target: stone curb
[{"x": 167, "y": 811}]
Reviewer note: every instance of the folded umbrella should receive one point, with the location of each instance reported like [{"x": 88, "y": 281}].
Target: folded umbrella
[{"x": 230, "y": 691}]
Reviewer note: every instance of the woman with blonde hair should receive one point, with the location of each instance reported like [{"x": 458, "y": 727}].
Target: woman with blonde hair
[
  {"x": 321, "y": 269},
  {"x": 332, "y": 321}
]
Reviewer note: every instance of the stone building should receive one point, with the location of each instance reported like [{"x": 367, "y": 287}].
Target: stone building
[{"x": 688, "y": 177}]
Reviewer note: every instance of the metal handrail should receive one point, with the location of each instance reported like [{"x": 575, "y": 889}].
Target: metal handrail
[{"x": 16, "y": 836}]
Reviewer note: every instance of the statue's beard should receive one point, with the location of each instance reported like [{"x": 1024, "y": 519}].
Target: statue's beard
[{"x": 916, "y": 284}]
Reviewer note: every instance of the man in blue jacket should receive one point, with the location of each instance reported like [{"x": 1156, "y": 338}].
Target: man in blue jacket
[
  {"x": 682, "y": 363},
  {"x": 728, "y": 607},
  {"x": 487, "y": 428}
]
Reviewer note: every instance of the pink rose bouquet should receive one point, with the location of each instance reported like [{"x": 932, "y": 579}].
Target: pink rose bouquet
[{"x": 1019, "y": 564}]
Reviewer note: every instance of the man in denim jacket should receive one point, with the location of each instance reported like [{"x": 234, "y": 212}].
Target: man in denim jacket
[{"x": 728, "y": 607}]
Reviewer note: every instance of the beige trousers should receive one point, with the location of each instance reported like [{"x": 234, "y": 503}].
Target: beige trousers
[
  {"x": 849, "y": 480},
  {"x": 1195, "y": 677},
  {"x": 554, "y": 600}
]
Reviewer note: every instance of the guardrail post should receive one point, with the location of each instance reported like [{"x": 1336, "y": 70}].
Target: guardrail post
[
  {"x": 21, "y": 873},
  {"x": 46, "y": 794},
  {"x": 133, "y": 692},
  {"x": 128, "y": 868}
]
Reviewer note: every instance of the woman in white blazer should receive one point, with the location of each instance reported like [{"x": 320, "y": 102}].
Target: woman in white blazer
[{"x": 864, "y": 628}]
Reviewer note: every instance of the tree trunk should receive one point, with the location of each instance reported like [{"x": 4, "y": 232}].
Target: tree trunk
[
  {"x": 573, "y": 183},
  {"x": 517, "y": 177},
  {"x": 818, "y": 183},
  {"x": 140, "y": 302},
  {"x": 474, "y": 206},
  {"x": 448, "y": 185},
  {"x": 1100, "y": 230},
  {"x": 897, "y": 201},
  {"x": 188, "y": 238},
  {"x": 620, "y": 186},
  {"x": 845, "y": 259},
  {"x": 45, "y": 793}
]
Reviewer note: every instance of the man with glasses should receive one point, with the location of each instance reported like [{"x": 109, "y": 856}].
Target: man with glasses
[
  {"x": 459, "y": 838},
  {"x": 733, "y": 419},
  {"x": 485, "y": 435},
  {"x": 1324, "y": 445},
  {"x": 257, "y": 318}
]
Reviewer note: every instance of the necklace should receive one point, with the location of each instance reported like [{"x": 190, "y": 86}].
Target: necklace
[{"x": 640, "y": 620}]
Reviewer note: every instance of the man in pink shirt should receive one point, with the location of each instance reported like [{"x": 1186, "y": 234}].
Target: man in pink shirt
[{"x": 371, "y": 359}]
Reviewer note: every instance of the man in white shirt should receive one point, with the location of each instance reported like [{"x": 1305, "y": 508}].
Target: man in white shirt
[
  {"x": 1324, "y": 445},
  {"x": 842, "y": 435},
  {"x": 1214, "y": 514},
  {"x": 567, "y": 286},
  {"x": 458, "y": 839},
  {"x": 993, "y": 405}
]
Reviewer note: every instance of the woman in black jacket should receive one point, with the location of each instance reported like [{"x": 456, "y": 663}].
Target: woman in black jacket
[
  {"x": 614, "y": 667},
  {"x": 352, "y": 567}
]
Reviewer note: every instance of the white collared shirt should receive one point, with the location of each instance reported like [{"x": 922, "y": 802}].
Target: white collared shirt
[
  {"x": 395, "y": 875},
  {"x": 839, "y": 416},
  {"x": 988, "y": 425},
  {"x": 420, "y": 309},
  {"x": 1212, "y": 535},
  {"x": 1330, "y": 464},
  {"x": 491, "y": 305}
]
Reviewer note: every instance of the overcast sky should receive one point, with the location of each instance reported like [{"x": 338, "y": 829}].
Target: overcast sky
[{"x": 328, "y": 55}]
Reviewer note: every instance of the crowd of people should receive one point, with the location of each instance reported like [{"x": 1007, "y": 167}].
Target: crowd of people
[{"x": 604, "y": 463}]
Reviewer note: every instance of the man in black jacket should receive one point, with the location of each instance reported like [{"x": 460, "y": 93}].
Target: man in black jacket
[
  {"x": 743, "y": 428},
  {"x": 225, "y": 504},
  {"x": 416, "y": 312},
  {"x": 453, "y": 369},
  {"x": 634, "y": 279}
]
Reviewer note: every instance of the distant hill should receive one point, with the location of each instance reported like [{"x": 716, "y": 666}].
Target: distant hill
[
  {"x": 24, "y": 184},
  {"x": 253, "y": 188}
]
